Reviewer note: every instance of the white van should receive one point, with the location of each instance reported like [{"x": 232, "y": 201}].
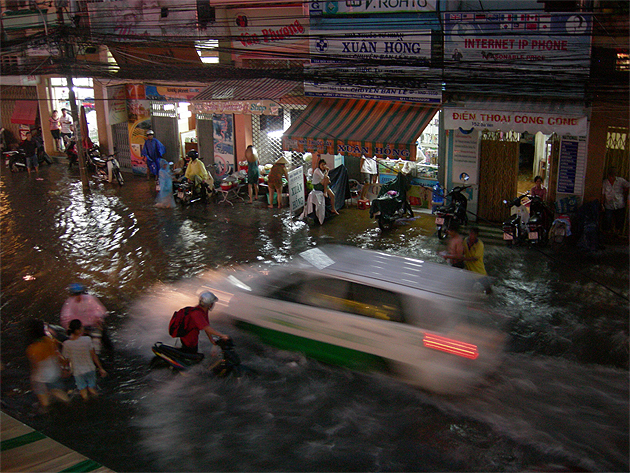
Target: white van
[{"x": 371, "y": 310}]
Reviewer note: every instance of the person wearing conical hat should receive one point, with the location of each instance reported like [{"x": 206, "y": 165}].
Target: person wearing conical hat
[{"x": 274, "y": 180}]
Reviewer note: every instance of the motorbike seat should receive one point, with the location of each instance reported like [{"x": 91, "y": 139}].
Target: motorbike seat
[
  {"x": 98, "y": 161},
  {"x": 512, "y": 220},
  {"x": 446, "y": 208}
]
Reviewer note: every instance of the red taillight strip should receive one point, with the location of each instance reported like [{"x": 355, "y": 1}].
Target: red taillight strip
[{"x": 450, "y": 346}]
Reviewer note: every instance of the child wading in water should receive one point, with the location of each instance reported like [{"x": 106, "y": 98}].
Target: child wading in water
[{"x": 80, "y": 351}]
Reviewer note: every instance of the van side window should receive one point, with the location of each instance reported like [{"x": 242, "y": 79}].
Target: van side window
[
  {"x": 285, "y": 292},
  {"x": 374, "y": 302},
  {"x": 328, "y": 293}
]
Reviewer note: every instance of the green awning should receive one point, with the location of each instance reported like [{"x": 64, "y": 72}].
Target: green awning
[{"x": 359, "y": 127}]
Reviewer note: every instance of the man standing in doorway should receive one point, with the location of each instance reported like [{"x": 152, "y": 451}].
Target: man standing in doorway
[
  {"x": 153, "y": 151},
  {"x": 613, "y": 190},
  {"x": 66, "y": 127}
]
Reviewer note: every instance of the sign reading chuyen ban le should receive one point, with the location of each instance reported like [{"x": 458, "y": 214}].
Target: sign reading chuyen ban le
[{"x": 296, "y": 189}]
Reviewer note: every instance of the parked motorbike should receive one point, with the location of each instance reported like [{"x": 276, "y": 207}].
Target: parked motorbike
[
  {"x": 72, "y": 153},
  {"x": 515, "y": 230},
  {"x": 539, "y": 223},
  {"x": 392, "y": 203},
  {"x": 106, "y": 167},
  {"x": 455, "y": 211},
  {"x": 15, "y": 160}
]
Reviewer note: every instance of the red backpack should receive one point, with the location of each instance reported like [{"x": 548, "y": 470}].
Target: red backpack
[{"x": 177, "y": 325}]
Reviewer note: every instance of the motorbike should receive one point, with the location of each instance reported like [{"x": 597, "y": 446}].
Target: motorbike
[
  {"x": 15, "y": 160},
  {"x": 392, "y": 203},
  {"x": 539, "y": 223},
  {"x": 228, "y": 362},
  {"x": 106, "y": 167},
  {"x": 455, "y": 211},
  {"x": 186, "y": 193},
  {"x": 72, "y": 153},
  {"x": 515, "y": 229},
  {"x": 99, "y": 336}
]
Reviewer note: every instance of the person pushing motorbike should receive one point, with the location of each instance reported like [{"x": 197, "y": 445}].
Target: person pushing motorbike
[
  {"x": 192, "y": 320},
  {"x": 89, "y": 310}
]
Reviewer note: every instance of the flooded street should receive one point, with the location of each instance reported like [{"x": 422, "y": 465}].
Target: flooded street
[{"x": 559, "y": 399}]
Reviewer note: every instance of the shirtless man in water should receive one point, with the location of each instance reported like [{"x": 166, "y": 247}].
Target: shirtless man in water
[{"x": 454, "y": 247}]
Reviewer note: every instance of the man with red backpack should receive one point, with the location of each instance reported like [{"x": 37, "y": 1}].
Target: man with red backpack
[{"x": 189, "y": 321}]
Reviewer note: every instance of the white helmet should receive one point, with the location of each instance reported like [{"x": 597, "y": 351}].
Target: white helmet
[{"x": 207, "y": 298}]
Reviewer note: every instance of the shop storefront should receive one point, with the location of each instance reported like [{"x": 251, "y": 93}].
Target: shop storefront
[
  {"x": 237, "y": 113},
  {"x": 485, "y": 142},
  {"x": 343, "y": 130}
]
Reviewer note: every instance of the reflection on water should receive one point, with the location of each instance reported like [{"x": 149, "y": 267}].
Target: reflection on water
[{"x": 291, "y": 413}]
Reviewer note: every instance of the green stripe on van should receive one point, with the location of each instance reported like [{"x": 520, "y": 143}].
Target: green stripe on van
[
  {"x": 21, "y": 440},
  {"x": 326, "y": 352}
]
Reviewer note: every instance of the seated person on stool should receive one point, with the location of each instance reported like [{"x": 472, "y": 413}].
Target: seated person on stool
[{"x": 321, "y": 182}]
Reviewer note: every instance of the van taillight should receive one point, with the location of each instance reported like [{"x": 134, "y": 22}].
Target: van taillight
[{"x": 449, "y": 345}]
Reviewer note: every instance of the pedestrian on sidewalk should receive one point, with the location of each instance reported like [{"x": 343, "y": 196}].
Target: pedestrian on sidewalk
[
  {"x": 613, "y": 190},
  {"x": 253, "y": 174},
  {"x": 274, "y": 180},
  {"x": 66, "y": 126},
  {"x": 53, "y": 122}
]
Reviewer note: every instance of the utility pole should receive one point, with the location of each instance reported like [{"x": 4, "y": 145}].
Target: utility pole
[{"x": 77, "y": 121}]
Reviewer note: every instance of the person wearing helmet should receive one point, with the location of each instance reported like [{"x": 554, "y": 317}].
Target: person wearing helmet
[
  {"x": 85, "y": 307},
  {"x": 197, "y": 173},
  {"x": 197, "y": 321},
  {"x": 152, "y": 151}
]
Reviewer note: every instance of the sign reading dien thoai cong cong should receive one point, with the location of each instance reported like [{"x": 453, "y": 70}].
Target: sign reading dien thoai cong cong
[{"x": 520, "y": 122}]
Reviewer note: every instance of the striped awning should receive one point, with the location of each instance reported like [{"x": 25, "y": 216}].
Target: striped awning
[
  {"x": 359, "y": 127},
  {"x": 248, "y": 89}
]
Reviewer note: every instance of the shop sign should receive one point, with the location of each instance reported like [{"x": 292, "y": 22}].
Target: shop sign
[
  {"x": 352, "y": 148},
  {"x": 520, "y": 122},
  {"x": 524, "y": 40},
  {"x": 339, "y": 90},
  {"x": 171, "y": 93},
  {"x": 271, "y": 29},
  {"x": 465, "y": 156},
  {"x": 121, "y": 20},
  {"x": 223, "y": 134},
  {"x": 259, "y": 107},
  {"x": 572, "y": 165},
  {"x": 296, "y": 189},
  {"x": 116, "y": 104},
  {"x": 357, "y": 7},
  {"x": 335, "y": 46}
]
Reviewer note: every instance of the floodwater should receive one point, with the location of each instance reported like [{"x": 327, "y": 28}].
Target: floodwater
[{"x": 558, "y": 402}]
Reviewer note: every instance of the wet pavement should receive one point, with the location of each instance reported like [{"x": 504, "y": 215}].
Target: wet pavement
[{"x": 560, "y": 397}]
